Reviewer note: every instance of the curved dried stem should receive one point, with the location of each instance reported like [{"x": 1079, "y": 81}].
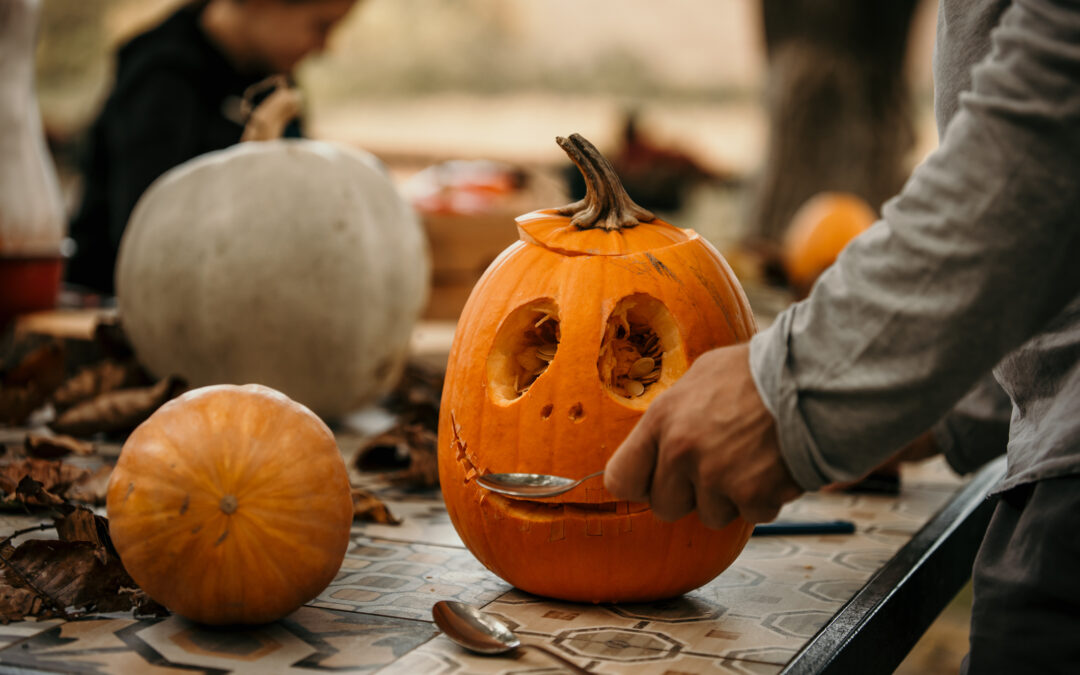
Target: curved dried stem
[
  {"x": 606, "y": 204},
  {"x": 267, "y": 121}
]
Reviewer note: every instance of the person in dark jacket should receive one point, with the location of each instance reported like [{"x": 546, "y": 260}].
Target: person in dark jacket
[{"x": 178, "y": 94}]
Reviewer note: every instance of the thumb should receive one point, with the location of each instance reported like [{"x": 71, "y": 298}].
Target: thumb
[{"x": 628, "y": 474}]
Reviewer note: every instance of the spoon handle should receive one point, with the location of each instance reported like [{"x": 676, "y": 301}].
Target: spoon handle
[{"x": 573, "y": 667}]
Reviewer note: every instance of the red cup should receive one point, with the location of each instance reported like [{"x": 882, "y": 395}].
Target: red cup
[{"x": 28, "y": 284}]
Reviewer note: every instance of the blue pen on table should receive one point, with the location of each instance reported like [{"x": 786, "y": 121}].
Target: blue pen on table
[{"x": 804, "y": 527}]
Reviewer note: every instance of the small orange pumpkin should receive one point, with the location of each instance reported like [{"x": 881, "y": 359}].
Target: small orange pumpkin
[
  {"x": 231, "y": 505},
  {"x": 819, "y": 230},
  {"x": 565, "y": 340}
]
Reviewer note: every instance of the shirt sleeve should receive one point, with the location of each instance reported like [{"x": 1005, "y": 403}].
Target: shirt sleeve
[
  {"x": 975, "y": 254},
  {"x": 976, "y": 430}
]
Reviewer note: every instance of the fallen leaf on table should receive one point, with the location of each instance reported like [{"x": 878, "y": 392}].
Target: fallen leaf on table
[
  {"x": 110, "y": 339},
  {"x": 32, "y": 493},
  {"x": 406, "y": 454},
  {"x": 81, "y": 570},
  {"x": 91, "y": 488},
  {"x": 117, "y": 411},
  {"x": 99, "y": 378},
  {"x": 26, "y": 386},
  {"x": 142, "y": 605},
  {"x": 17, "y": 604},
  {"x": 415, "y": 399},
  {"x": 38, "y": 482},
  {"x": 54, "y": 447},
  {"x": 68, "y": 574},
  {"x": 82, "y": 524},
  {"x": 369, "y": 508}
]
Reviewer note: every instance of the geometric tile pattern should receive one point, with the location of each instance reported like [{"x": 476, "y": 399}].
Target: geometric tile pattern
[
  {"x": 401, "y": 579},
  {"x": 376, "y": 614},
  {"x": 307, "y": 640}
]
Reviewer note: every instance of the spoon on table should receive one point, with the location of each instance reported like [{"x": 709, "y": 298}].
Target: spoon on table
[
  {"x": 530, "y": 485},
  {"x": 483, "y": 633}
]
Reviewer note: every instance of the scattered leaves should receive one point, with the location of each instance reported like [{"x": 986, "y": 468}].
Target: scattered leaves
[
  {"x": 369, "y": 508},
  {"x": 415, "y": 400},
  {"x": 91, "y": 488},
  {"x": 38, "y": 482},
  {"x": 34, "y": 482},
  {"x": 406, "y": 454},
  {"x": 80, "y": 571},
  {"x": 117, "y": 411},
  {"x": 97, "y": 379},
  {"x": 142, "y": 605},
  {"x": 26, "y": 386},
  {"x": 54, "y": 447}
]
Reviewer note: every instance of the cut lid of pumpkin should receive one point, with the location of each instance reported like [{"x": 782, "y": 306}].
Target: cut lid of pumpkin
[
  {"x": 555, "y": 232},
  {"x": 604, "y": 222}
]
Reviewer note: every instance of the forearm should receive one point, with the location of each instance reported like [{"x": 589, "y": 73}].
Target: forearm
[{"x": 973, "y": 256}]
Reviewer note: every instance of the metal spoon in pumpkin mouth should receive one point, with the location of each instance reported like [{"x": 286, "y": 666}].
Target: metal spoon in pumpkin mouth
[{"x": 530, "y": 485}]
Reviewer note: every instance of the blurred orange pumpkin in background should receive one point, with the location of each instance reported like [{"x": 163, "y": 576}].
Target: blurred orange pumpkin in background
[{"x": 819, "y": 230}]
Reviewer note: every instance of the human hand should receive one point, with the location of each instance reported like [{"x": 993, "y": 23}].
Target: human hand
[{"x": 708, "y": 443}]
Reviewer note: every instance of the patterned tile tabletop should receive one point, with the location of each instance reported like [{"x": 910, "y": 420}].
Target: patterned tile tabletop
[{"x": 376, "y": 615}]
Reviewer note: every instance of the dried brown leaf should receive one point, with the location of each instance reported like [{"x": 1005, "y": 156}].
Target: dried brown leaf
[
  {"x": 110, "y": 339},
  {"x": 117, "y": 411},
  {"x": 369, "y": 508},
  {"x": 96, "y": 379},
  {"x": 82, "y": 524},
  {"x": 415, "y": 399},
  {"x": 38, "y": 482},
  {"x": 27, "y": 385},
  {"x": 32, "y": 493},
  {"x": 69, "y": 574},
  {"x": 54, "y": 447},
  {"x": 91, "y": 488},
  {"x": 17, "y": 604},
  {"x": 406, "y": 454},
  {"x": 388, "y": 451},
  {"x": 142, "y": 605}
]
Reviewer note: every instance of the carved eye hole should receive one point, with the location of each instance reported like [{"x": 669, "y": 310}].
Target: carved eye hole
[
  {"x": 641, "y": 352},
  {"x": 526, "y": 343}
]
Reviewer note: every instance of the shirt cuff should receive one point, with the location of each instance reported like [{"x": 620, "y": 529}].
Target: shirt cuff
[{"x": 776, "y": 386}]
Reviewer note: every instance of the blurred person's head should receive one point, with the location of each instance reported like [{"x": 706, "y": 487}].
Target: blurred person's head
[{"x": 272, "y": 36}]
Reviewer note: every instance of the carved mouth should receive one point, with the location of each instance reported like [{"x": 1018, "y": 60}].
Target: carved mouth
[{"x": 546, "y": 511}]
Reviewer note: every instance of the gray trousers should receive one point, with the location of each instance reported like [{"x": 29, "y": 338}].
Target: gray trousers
[{"x": 1026, "y": 579}]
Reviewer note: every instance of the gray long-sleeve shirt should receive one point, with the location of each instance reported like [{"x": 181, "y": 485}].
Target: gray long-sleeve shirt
[{"x": 973, "y": 265}]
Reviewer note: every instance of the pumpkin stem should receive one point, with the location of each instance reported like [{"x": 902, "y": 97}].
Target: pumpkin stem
[
  {"x": 228, "y": 504},
  {"x": 267, "y": 121},
  {"x": 606, "y": 204}
]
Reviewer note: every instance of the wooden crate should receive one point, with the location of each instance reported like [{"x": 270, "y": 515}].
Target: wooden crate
[{"x": 462, "y": 247}]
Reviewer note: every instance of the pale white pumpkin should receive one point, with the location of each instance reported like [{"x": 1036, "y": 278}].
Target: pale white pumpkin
[{"x": 294, "y": 264}]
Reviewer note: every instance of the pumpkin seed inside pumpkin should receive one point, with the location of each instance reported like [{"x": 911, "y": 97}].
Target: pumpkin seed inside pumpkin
[
  {"x": 525, "y": 346},
  {"x": 537, "y": 349},
  {"x": 631, "y": 355}
]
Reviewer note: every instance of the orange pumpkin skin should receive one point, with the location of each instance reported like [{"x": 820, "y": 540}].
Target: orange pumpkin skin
[
  {"x": 583, "y": 545},
  {"x": 819, "y": 230},
  {"x": 231, "y": 505}
]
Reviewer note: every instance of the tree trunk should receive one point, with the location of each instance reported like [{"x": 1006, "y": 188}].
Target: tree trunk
[{"x": 838, "y": 105}]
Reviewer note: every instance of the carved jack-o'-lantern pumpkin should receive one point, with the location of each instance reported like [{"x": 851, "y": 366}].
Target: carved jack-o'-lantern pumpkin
[{"x": 562, "y": 345}]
